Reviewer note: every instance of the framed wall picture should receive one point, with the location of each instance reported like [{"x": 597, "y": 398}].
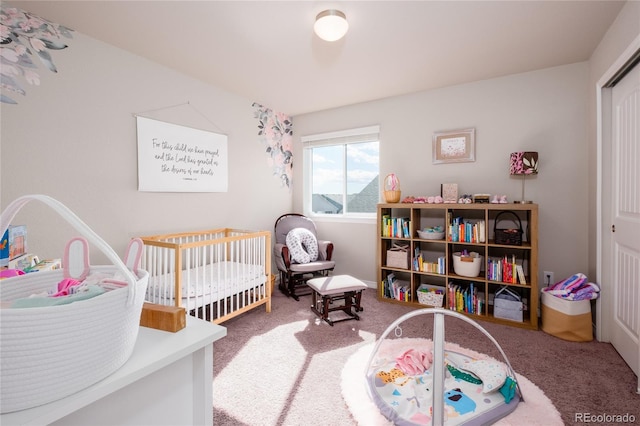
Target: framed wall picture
[
  {"x": 175, "y": 158},
  {"x": 455, "y": 146}
]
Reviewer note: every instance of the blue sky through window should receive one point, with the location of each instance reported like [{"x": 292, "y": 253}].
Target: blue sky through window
[{"x": 362, "y": 165}]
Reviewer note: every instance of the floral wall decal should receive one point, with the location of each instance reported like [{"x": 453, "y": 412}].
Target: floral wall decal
[
  {"x": 22, "y": 36},
  {"x": 275, "y": 131}
]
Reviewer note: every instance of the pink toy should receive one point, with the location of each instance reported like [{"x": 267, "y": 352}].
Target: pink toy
[
  {"x": 414, "y": 362},
  {"x": 64, "y": 287},
  {"x": 8, "y": 273}
]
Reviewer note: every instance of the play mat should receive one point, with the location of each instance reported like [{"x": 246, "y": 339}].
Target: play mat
[{"x": 420, "y": 382}]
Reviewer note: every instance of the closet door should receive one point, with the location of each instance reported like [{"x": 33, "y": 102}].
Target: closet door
[{"x": 625, "y": 215}]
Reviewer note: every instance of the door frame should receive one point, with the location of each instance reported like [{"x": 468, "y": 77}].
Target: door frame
[{"x": 603, "y": 135}]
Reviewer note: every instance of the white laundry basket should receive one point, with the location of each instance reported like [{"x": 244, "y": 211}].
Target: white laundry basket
[{"x": 48, "y": 353}]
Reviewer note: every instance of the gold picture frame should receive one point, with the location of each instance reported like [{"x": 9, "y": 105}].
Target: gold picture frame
[{"x": 457, "y": 146}]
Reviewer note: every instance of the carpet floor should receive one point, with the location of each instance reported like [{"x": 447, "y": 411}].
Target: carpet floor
[{"x": 284, "y": 368}]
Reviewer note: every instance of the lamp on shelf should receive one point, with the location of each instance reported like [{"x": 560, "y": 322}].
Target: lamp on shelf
[
  {"x": 331, "y": 25},
  {"x": 522, "y": 164}
]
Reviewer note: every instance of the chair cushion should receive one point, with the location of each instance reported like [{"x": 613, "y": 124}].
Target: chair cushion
[
  {"x": 302, "y": 245},
  {"x": 336, "y": 284},
  {"x": 306, "y": 268}
]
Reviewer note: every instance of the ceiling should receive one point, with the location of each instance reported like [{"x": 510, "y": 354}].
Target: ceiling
[{"x": 266, "y": 50}]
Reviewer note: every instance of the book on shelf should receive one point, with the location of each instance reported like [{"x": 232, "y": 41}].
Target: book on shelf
[
  {"x": 387, "y": 283},
  {"x": 521, "y": 277},
  {"x": 384, "y": 225}
]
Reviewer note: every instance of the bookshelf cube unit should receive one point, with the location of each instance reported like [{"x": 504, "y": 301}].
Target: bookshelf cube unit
[{"x": 510, "y": 260}]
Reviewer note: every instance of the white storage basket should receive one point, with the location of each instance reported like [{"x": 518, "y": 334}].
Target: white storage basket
[{"x": 48, "y": 353}]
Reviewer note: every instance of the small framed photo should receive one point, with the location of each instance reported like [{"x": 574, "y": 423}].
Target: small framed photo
[
  {"x": 449, "y": 192},
  {"x": 457, "y": 146}
]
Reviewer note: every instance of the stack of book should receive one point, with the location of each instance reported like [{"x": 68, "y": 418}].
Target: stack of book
[
  {"x": 464, "y": 299},
  {"x": 461, "y": 230},
  {"x": 396, "y": 289},
  {"x": 421, "y": 265},
  {"x": 396, "y": 227},
  {"x": 506, "y": 270}
]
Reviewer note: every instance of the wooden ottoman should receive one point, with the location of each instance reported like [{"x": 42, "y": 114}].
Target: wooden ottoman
[{"x": 327, "y": 290}]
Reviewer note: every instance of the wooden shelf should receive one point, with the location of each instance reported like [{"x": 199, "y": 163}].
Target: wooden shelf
[{"x": 420, "y": 216}]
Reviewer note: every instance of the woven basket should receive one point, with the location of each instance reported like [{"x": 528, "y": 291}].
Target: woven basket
[
  {"x": 392, "y": 196},
  {"x": 48, "y": 353},
  {"x": 391, "y": 189},
  {"x": 508, "y": 236}
]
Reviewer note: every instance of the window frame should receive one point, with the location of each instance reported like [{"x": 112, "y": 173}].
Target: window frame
[{"x": 337, "y": 138}]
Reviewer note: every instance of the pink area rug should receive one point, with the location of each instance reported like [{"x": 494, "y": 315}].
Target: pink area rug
[{"x": 536, "y": 409}]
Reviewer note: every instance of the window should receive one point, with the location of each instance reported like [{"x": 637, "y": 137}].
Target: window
[{"x": 341, "y": 172}]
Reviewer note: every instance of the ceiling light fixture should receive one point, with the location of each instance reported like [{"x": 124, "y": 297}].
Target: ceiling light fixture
[{"x": 331, "y": 25}]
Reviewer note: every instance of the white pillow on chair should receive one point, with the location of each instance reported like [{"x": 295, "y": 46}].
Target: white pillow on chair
[{"x": 302, "y": 245}]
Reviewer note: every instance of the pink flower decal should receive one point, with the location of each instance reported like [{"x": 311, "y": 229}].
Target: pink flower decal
[
  {"x": 275, "y": 131},
  {"x": 23, "y": 35}
]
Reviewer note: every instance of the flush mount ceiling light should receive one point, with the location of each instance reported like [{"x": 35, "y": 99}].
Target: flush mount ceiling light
[{"x": 331, "y": 25}]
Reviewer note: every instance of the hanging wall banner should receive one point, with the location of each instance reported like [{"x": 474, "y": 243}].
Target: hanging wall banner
[{"x": 173, "y": 158}]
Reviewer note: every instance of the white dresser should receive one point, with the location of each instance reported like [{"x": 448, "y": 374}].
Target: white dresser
[{"x": 167, "y": 381}]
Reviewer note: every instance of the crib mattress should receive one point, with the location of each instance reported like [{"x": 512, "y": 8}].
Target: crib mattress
[
  {"x": 407, "y": 400},
  {"x": 206, "y": 284}
]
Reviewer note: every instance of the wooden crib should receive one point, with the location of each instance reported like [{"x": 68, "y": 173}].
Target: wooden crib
[{"x": 216, "y": 274}]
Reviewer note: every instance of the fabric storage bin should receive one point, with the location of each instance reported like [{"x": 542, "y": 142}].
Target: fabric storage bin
[
  {"x": 507, "y": 304},
  {"x": 566, "y": 319},
  {"x": 468, "y": 265},
  {"x": 50, "y": 352},
  {"x": 431, "y": 295},
  {"x": 398, "y": 256}
]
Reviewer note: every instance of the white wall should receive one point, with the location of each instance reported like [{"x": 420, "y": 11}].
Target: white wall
[
  {"x": 74, "y": 138},
  {"x": 544, "y": 111}
]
